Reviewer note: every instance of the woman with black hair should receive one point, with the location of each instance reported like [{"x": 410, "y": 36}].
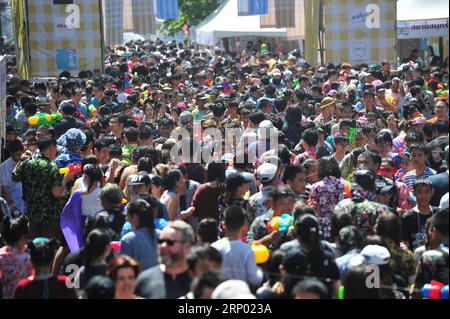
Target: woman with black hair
[
  {"x": 175, "y": 185},
  {"x": 320, "y": 259},
  {"x": 205, "y": 200},
  {"x": 96, "y": 250},
  {"x": 82, "y": 204},
  {"x": 43, "y": 285},
  {"x": 350, "y": 242},
  {"x": 236, "y": 188},
  {"x": 141, "y": 243},
  {"x": 326, "y": 193},
  {"x": 14, "y": 261}
]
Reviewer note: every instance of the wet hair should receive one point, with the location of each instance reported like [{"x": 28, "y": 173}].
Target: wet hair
[
  {"x": 208, "y": 279},
  {"x": 291, "y": 172},
  {"x": 144, "y": 211},
  {"x": 235, "y": 218},
  {"x": 208, "y": 230},
  {"x": 97, "y": 242},
  {"x": 111, "y": 193},
  {"x": 215, "y": 172},
  {"x": 313, "y": 286},
  {"x": 15, "y": 146},
  {"x": 45, "y": 143},
  {"x": 328, "y": 166},
  {"x": 311, "y": 136},
  {"x": 43, "y": 251},
  {"x": 307, "y": 229},
  {"x": 339, "y": 220},
  {"x": 389, "y": 227},
  {"x": 419, "y": 147},
  {"x": 145, "y": 164},
  {"x": 440, "y": 221},
  {"x": 293, "y": 114},
  {"x": 94, "y": 173},
  {"x": 203, "y": 252},
  {"x": 15, "y": 229},
  {"x": 99, "y": 287},
  {"x": 278, "y": 193},
  {"x": 171, "y": 177},
  {"x": 349, "y": 238},
  {"x": 355, "y": 286}
]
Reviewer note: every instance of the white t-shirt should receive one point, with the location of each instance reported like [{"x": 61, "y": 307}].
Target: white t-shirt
[{"x": 91, "y": 204}]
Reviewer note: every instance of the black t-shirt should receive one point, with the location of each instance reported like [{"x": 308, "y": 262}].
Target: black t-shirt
[
  {"x": 413, "y": 227},
  {"x": 154, "y": 284}
]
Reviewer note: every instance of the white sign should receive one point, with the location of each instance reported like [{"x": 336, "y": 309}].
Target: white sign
[{"x": 422, "y": 29}]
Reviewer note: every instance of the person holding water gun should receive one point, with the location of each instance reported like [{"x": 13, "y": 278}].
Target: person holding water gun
[
  {"x": 265, "y": 230},
  {"x": 73, "y": 140}
]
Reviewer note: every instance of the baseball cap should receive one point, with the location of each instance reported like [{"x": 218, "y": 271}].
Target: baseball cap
[
  {"x": 142, "y": 178},
  {"x": 266, "y": 172},
  {"x": 232, "y": 289},
  {"x": 376, "y": 255},
  {"x": 364, "y": 179}
]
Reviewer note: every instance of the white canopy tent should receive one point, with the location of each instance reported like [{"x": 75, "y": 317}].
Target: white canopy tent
[
  {"x": 422, "y": 18},
  {"x": 224, "y": 22}
]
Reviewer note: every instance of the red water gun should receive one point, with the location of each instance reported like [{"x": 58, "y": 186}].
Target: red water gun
[{"x": 72, "y": 168}]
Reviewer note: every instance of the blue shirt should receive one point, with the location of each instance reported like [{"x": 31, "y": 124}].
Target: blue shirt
[
  {"x": 140, "y": 245},
  {"x": 67, "y": 158}
]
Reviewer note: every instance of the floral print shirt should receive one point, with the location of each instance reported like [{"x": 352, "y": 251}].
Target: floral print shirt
[
  {"x": 326, "y": 194},
  {"x": 14, "y": 266}
]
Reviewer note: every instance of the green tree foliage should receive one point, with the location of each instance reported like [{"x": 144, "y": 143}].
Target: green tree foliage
[{"x": 192, "y": 12}]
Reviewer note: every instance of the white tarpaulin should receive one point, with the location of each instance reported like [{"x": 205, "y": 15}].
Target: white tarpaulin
[
  {"x": 418, "y": 19},
  {"x": 224, "y": 22}
]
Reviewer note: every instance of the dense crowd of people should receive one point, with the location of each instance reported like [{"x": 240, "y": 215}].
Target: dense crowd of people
[{"x": 181, "y": 172}]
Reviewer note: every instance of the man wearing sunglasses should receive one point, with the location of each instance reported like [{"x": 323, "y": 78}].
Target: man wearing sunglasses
[{"x": 170, "y": 279}]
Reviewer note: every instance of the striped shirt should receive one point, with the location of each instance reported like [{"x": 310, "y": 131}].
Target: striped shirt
[{"x": 411, "y": 176}]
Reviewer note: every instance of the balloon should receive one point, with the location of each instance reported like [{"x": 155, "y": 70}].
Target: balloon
[
  {"x": 115, "y": 246},
  {"x": 435, "y": 290},
  {"x": 261, "y": 252},
  {"x": 160, "y": 223}
]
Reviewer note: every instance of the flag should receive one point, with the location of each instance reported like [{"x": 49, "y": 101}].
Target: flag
[
  {"x": 252, "y": 7},
  {"x": 167, "y": 9}
]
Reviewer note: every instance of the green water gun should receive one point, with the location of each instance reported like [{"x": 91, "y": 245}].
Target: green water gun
[{"x": 351, "y": 135}]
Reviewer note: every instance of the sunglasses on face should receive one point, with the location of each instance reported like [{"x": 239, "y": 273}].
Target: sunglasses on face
[{"x": 169, "y": 242}]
